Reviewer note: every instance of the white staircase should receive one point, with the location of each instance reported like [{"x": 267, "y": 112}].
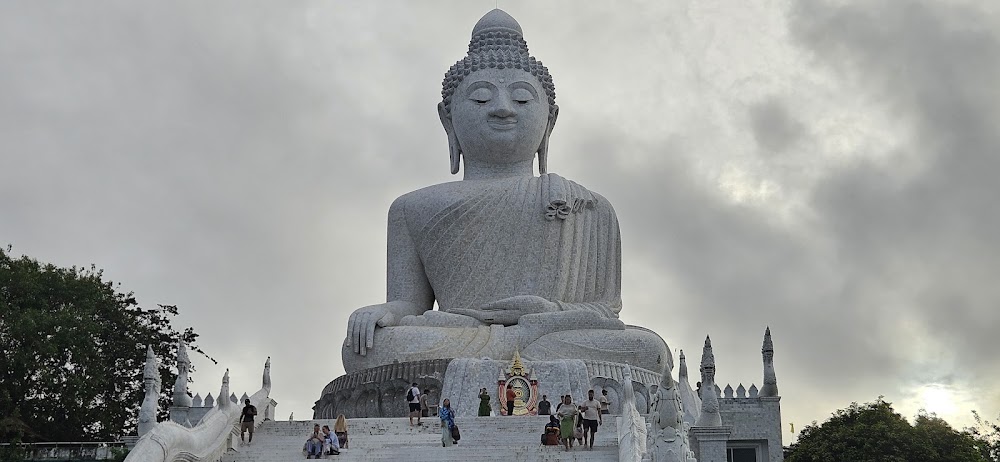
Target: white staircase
[{"x": 483, "y": 438}]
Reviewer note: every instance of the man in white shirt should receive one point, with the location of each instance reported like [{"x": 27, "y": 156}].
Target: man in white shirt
[
  {"x": 591, "y": 409},
  {"x": 413, "y": 397},
  {"x": 605, "y": 404}
]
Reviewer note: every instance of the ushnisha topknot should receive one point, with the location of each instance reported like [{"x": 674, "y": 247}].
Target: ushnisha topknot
[{"x": 497, "y": 43}]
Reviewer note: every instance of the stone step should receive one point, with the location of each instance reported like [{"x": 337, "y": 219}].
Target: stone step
[{"x": 483, "y": 438}]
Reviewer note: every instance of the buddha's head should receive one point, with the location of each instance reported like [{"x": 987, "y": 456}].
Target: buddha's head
[{"x": 498, "y": 103}]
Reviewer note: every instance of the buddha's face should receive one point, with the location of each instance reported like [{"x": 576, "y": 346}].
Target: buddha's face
[{"x": 499, "y": 115}]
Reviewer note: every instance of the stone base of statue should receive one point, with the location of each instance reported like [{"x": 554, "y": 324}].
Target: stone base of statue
[{"x": 381, "y": 391}]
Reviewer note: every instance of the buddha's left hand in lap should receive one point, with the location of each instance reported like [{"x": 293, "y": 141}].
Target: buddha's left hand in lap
[{"x": 508, "y": 311}]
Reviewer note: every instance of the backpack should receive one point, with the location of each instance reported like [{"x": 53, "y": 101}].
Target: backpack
[{"x": 409, "y": 395}]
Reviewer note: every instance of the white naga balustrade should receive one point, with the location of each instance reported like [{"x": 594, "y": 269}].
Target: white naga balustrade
[{"x": 209, "y": 439}]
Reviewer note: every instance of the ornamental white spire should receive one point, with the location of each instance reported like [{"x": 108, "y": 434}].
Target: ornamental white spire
[
  {"x": 267, "y": 374},
  {"x": 710, "y": 416},
  {"x": 181, "y": 398},
  {"x": 682, "y": 374},
  {"x": 770, "y": 387},
  {"x": 224, "y": 392},
  {"x": 150, "y": 401},
  {"x": 689, "y": 397}
]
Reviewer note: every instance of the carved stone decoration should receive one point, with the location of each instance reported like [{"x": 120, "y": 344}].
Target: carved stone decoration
[
  {"x": 753, "y": 391},
  {"x": 380, "y": 391},
  {"x": 151, "y": 383},
  {"x": 181, "y": 398},
  {"x": 632, "y": 432},
  {"x": 207, "y": 441},
  {"x": 728, "y": 391},
  {"x": 209, "y": 401},
  {"x": 668, "y": 439},
  {"x": 710, "y": 415},
  {"x": 689, "y": 397},
  {"x": 741, "y": 392},
  {"x": 770, "y": 387},
  {"x": 224, "y": 392},
  {"x": 525, "y": 387},
  {"x": 266, "y": 380}
]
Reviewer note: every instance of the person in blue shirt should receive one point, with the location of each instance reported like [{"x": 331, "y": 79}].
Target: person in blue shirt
[{"x": 447, "y": 415}]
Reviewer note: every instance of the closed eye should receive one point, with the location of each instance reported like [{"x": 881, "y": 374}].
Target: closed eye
[
  {"x": 481, "y": 96},
  {"x": 521, "y": 96}
]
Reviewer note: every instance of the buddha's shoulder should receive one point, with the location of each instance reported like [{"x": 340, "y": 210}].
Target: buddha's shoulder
[
  {"x": 434, "y": 196},
  {"x": 419, "y": 205}
]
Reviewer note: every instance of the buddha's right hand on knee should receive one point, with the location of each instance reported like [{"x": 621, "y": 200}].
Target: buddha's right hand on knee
[{"x": 362, "y": 323}]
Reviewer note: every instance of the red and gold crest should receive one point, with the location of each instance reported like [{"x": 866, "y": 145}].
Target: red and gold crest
[{"x": 525, "y": 388}]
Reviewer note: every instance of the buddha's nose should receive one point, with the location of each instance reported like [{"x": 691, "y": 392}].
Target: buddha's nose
[{"x": 503, "y": 109}]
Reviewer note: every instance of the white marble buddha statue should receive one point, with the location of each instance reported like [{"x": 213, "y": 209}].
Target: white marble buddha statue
[{"x": 513, "y": 261}]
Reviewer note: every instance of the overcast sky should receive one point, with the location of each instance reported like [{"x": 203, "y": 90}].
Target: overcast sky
[{"x": 825, "y": 168}]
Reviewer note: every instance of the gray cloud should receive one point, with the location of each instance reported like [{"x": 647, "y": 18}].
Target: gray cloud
[
  {"x": 239, "y": 162},
  {"x": 774, "y": 128}
]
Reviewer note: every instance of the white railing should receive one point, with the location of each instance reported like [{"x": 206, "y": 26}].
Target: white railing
[{"x": 205, "y": 442}]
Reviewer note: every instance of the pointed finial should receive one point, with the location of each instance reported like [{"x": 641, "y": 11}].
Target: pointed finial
[
  {"x": 150, "y": 370},
  {"x": 182, "y": 353},
  {"x": 181, "y": 397},
  {"x": 682, "y": 374},
  {"x": 266, "y": 381},
  {"x": 729, "y": 391},
  {"x": 516, "y": 366},
  {"x": 770, "y": 386},
  {"x": 707, "y": 357},
  {"x": 224, "y": 391}
]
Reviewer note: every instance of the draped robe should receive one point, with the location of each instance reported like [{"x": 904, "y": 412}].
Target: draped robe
[
  {"x": 477, "y": 242},
  {"x": 545, "y": 236}
]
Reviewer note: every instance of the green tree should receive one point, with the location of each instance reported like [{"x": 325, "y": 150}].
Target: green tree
[
  {"x": 987, "y": 435},
  {"x": 874, "y": 432},
  {"x": 73, "y": 350}
]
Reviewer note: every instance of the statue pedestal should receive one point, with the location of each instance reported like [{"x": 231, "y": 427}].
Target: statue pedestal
[
  {"x": 466, "y": 376},
  {"x": 381, "y": 391}
]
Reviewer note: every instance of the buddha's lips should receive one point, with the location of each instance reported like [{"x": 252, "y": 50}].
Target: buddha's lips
[{"x": 502, "y": 124}]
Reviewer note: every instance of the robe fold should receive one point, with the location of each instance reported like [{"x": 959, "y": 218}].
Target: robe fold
[{"x": 545, "y": 236}]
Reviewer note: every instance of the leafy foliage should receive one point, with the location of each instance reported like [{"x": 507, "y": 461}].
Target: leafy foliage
[
  {"x": 874, "y": 432},
  {"x": 987, "y": 436},
  {"x": 73, "y": 350}
]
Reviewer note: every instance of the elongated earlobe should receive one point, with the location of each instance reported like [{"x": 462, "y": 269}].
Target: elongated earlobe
[
  {"x": 543, "y": 148},
  {"x": 454, "y": 150},
  {"x": 455, "y": 155}
]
